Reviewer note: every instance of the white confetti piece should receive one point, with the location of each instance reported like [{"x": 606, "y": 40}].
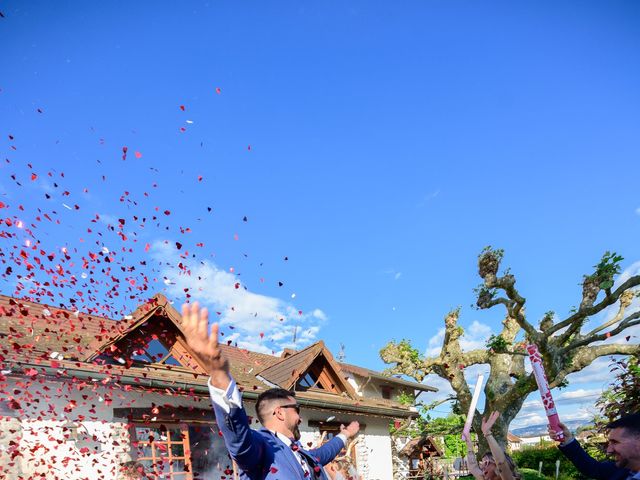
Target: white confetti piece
[{"x": 67, "y": 206}]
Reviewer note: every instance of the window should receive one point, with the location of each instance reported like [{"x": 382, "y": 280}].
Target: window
[
  {"x": 319, "y": 376},
  {"x": 309, "y": 381},
  {"x": 191, "y": 451},
  {"x": 164, "y": 451},
  {"x": 386, "y": 392}
]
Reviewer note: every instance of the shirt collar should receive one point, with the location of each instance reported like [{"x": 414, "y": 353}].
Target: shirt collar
[{"x": 286, "y": 440}]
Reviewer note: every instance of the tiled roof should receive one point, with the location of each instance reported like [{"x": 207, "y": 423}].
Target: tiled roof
[
  {"x": 513, "y": 438},
  {"x": 37, "y": 335},
  {"x": 367, "y": 373}
]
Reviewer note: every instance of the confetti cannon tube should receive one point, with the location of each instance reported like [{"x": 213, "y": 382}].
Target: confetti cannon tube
[
  {"x": 545, "y": 392},
  {"x": 472, "y": 407}
]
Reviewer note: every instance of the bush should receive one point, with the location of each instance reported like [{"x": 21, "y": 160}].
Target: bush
[
  {"x": 530, "y": 474},
  {"x": 530, "y": 458}
]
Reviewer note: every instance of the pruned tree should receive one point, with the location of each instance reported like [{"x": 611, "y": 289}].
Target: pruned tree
[{"x": 564, "y": 346}]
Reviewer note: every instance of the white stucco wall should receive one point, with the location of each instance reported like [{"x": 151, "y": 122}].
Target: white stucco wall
[
  {"x": 40, "y": 431},
  {"x": 375, "y": 450}
]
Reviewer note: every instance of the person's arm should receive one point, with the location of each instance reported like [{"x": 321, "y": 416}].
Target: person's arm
[
  {"x": 472, "y": 462},
  {"x": 568, "y": 436},
  {"x": 327, "y": 452},
  {"x": 585, "y": 464},
  {"x": 245, "y": 445},
  {"x": 502, "y": 466},
  {"x": 195, "y": 326}
]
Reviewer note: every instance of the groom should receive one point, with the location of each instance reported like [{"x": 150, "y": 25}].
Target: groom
[{"x": 273, "y": 452}]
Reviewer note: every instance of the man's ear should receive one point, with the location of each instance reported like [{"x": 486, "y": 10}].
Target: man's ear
[{"x": 277, "y": 413}]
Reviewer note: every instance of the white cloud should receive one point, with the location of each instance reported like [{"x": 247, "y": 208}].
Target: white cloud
[
  {"x": 256, "y": 322},
  {"x": 579, "y": 394}
]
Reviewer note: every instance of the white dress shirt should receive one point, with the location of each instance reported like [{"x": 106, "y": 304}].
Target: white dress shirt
[{"x": 231, "y": 397}]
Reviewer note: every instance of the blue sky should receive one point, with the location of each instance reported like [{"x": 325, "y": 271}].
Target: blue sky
[{"x": 377, "y": 147}]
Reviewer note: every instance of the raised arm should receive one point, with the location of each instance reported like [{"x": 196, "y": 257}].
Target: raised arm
[
  {"x": 327, "y": 452},
  {"x": 472, "y": 462},
  {"x": 195, "y": 326},
  {"x": 502, "y": 465}
]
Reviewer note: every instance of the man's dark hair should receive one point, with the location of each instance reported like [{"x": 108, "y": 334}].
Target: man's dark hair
[
  {"x": 631, "y": 423},
  {"x": 263, "y": 403}
]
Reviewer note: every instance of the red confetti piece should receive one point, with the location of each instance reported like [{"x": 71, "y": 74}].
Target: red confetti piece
[
  {"x": 138, "y": 155},
  {"x": 182, "y": 107},
  {"x": 218, "y": 90}
]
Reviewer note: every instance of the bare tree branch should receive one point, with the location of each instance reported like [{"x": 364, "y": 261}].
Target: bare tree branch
[
  {"x": 630, "y": 321},
  {"x": 608, "y": 300},
  {"x": 625, "y": 300}
]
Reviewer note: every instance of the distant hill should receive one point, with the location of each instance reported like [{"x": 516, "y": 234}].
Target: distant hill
[{"x": 537, "y": 430}]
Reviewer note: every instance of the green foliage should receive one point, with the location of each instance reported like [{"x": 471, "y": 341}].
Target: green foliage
[
  {"x": 406, "y": 349},
  {"x": 405, "y": 399},
  {"x": 530, "y": 458},
  {"x": 454, "y": 446},
  {"x": 608, "y": 267},
  {"x": 483, "y": 295},
  {"x": 530, "y": 474},
  {"x": 449, "y": 425},
  {"x": 623, "y": 396},
  {"x": 497, "y": 343},
  {"x": 497, "y": 253}
]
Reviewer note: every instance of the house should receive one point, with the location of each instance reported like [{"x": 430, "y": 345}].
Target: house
[
  {"x": 514, "y": 442},
  {"x": 535, "y": 440},
  {"x": 421, "y": 453},
  {"x": 81, "y": 394}
]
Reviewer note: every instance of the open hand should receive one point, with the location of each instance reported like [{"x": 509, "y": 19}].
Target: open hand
[
  {"x": 487, "y": 423},
  {"x": 195, "y": 326},
  {"x": 350, "y": 430}
]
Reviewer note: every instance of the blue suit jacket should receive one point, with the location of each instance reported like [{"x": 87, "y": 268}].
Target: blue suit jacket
[
  {"x": 590, "y": 467},
  {"x": 262, "y": 455}
]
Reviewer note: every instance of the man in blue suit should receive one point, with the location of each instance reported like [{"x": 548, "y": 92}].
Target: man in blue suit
[
  {"x": 623, "y": 445},
  {"x": 273, "y": 452}
]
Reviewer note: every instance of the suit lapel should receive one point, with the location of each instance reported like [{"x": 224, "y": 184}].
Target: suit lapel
[{"x": 287, "y": 453}]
